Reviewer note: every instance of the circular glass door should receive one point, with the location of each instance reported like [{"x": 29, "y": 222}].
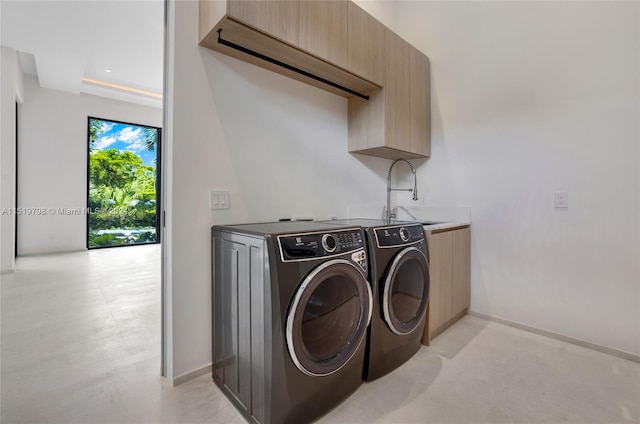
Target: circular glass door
[
  {"x": 328, "y": 318},
  {"x": 406, "y": 291}
]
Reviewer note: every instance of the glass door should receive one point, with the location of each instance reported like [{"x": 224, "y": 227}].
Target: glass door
[{"x": 123, "y": 184}]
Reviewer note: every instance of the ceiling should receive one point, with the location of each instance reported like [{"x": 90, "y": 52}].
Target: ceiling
[{"x": 79, "y": 46}]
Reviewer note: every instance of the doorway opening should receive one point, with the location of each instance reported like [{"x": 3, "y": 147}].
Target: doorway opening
[{"x": 123, "y": 184}]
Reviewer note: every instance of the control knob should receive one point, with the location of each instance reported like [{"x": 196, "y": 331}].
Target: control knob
[
  {"x": 404, "y": 234},
  {"x": 329, "y": 243}
]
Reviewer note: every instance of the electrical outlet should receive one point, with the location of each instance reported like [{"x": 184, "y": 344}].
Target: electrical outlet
[
  {"x": 561, "y": 200},
  {"x": 219, "y": 199}
]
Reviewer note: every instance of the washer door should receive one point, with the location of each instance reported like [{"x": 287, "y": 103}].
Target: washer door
[
  {"x": 406, "y": 291},
  {"x": 328, "y": 317}
]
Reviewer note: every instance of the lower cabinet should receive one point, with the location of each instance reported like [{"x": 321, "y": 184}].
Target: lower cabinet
[{"x": 450, "y": 271}]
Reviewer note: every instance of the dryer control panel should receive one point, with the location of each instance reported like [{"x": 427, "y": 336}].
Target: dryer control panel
[
  {"x": 400, "y": 235},
  {"x": 295, "y": 247}
]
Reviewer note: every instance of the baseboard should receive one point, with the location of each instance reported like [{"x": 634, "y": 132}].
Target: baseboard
[
  {"x": 58, "y": 252},
  {"x": 582, "y": 343},
  {"x": 183, "y": 378}
]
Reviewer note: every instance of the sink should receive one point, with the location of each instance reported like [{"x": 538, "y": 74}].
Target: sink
[{"x": 432, "y": 222}]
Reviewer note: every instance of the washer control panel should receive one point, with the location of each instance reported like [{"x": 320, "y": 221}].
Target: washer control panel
[
  {"x": 296, "y": 247},
  {"x": 400, "y": 235}
]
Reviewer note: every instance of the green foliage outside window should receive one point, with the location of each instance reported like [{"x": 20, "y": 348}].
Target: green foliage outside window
[{"x": 122, "y": 189}]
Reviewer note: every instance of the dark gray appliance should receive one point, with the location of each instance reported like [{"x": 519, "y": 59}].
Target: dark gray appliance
[
  {"x": 291, "y": 307},
  {"x": 399, "y": 274}
]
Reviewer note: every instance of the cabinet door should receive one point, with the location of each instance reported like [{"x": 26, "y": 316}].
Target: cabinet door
[
  {"x": 232, "y": 318},
  {"x": 278, "y": 18},
  {"x": 461, "y": 270},
  {"x": 396, "y": 92},
  {"x": 365, "y": 45},
  {"x": 441, "y": 270},
  {"x": 323, "y": 29},
  {"x": 419, "y": 102}
]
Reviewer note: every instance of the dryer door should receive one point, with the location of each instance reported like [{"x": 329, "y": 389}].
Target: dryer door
[
  {"x": 328, "y": 317},
  {"x": 406, "y": 291}
]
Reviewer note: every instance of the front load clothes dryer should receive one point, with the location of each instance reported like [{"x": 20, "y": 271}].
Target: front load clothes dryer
[
  {"x": 291, "y": 307},
  {"x": 399, "y": 274}
]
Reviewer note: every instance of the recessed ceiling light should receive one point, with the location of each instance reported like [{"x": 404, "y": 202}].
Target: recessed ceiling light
[{"x": 107, "y": 70}]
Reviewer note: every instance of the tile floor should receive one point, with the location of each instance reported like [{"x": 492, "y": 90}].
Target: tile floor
[{"x": 80, "y": 343}]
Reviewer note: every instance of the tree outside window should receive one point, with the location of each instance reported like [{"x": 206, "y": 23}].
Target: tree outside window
[{"x": 123, "y": 184}]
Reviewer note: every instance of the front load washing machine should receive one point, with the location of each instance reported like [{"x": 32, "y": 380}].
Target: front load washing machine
[
  {"x": 399, "y": 274},
  {"x": 291, "y": 307}
]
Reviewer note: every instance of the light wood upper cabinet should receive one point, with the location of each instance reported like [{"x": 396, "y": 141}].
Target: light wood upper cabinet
[
  {"x": 323, "y": 29},
  {"x": 365, "y": 42},
  {"x": 210, "y": 13},
  {"x": 269, "y": 30},
  {"x": 278, "y": 18},
  {"x": 336, "y": 46},
  {"x": 397, "y": 91},
  {"x": 419, "y": 103},
  {"x": 450, "y": 271},
  {"x": 394, "y": 123}
]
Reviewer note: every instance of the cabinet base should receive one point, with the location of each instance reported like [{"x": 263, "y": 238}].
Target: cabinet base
[{"x": 427, "y": 336}]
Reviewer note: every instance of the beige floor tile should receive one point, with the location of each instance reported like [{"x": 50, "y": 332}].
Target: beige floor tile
[{"x": 80, "y": 343}]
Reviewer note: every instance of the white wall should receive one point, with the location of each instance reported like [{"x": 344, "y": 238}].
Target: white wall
[
  {"x": 529, "y": 98},
  {"x": 10, "y": 88},
  {"x": 278, "y": 145},
  {"x": 52, "y": 162}
]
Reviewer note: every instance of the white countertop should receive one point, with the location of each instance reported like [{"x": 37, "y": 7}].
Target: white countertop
[
  {"x": 444, "y": 216},
  {"x": 446, "y": 225}
]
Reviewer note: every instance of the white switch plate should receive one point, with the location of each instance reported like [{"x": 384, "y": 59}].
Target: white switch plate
[
  {"x": 561, "y": 199},
  {"x": 219, "y": 199}
]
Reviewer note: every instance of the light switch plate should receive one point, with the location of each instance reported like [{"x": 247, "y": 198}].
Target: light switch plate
[
  {"x": 561, "y": 199},
  {"x": 219, "y": 199}
]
